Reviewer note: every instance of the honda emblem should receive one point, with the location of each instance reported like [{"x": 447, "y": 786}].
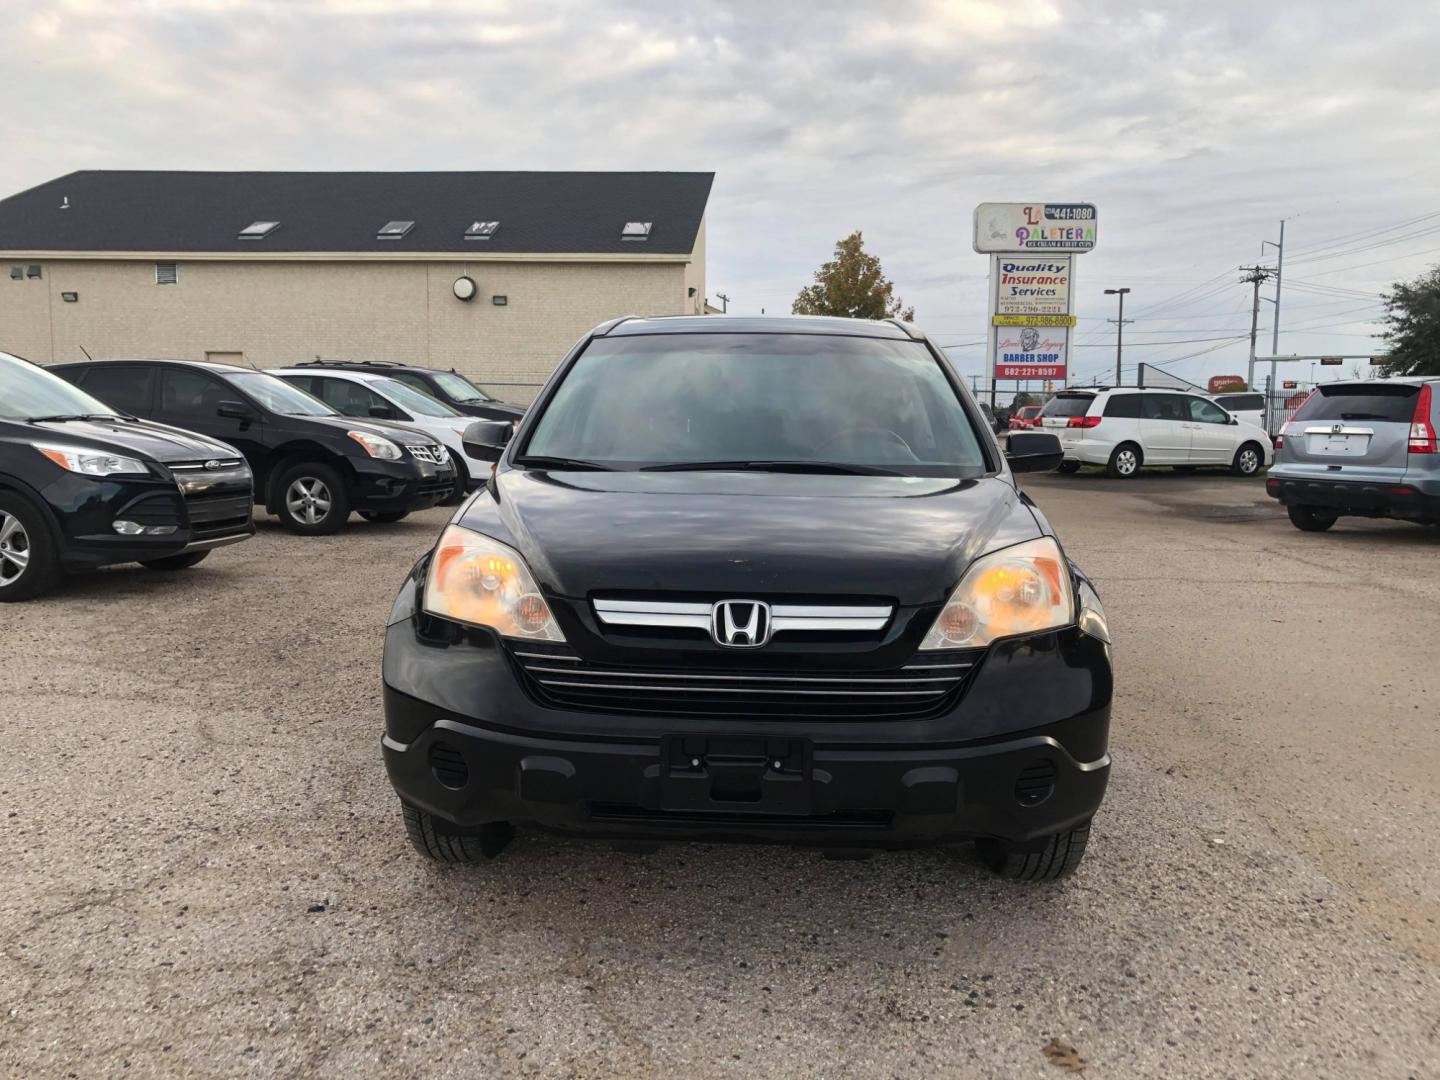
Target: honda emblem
[{"x": 740, "y": 624}]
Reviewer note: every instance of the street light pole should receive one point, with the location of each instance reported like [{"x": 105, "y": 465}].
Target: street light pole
[{"x": 1119, "y": 322}]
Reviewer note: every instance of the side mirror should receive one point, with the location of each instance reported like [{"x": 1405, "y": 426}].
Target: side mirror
[
  {"x": 1033, "y": 451},
  {"x": 1235, "y": 420},
  {"x": 235, "y": 410},
  {"x": 383, "y": 412},
  {"x": 487, "y": 439}
]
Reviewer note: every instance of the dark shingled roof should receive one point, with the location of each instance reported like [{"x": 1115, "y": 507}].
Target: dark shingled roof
[{"x": 541, "y": 212}]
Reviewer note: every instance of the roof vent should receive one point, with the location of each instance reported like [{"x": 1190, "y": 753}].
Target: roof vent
[
  {"x": 635, "y": 230},
  {"x": 395, "y": 230},
  {"x": 65, "y": 202},
  {"x": 482, "y": 230},
  {"x": 258, "y": 230}
]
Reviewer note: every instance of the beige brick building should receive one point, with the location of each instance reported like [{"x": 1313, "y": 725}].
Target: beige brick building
[{"x": 155, "y": 264}]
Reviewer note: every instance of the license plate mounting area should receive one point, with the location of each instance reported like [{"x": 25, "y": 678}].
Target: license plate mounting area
[{"x": 733, "y": 774}]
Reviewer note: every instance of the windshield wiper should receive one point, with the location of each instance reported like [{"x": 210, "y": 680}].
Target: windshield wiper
[
  {"x": 60, "y": 419},
  {"x": 541, "y": 461},
  {"x": 838, "y": 468}
]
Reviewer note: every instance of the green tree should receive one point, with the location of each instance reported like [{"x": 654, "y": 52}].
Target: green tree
[
  {"x": 852, "y": 285},
  {"x": 1412, "y": 325}
]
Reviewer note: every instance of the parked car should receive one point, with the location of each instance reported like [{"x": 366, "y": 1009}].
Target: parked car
[
  {"x": 379, "y": 397},
  {"x": 82, "y": 485},
  {"x": 1247, "y": 407},
  {"x": 450, "y": 387},
  {"x": 1026, "y": 416},
  {"x": 776, "y": 583},
  {"x": 312, "y": 466},
  {"x": 1361, "y": 449},
  {"x": 1123, "y": 428}
]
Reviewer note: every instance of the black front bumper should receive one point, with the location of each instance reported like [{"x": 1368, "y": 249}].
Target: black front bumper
[
  {"x": 400, "y": 487},
  {"x": 1021, "y": 755},
  {"x": 1357, "y": 498}
]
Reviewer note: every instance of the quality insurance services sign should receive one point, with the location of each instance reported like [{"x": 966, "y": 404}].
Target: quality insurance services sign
[{"x": 1031, "y": 294}]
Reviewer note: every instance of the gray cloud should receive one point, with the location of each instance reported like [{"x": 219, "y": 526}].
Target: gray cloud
[{"x": 1194, "y": 127}]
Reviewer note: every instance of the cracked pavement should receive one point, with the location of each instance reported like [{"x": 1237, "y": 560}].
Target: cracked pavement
[{"x": 205, "y": 873}]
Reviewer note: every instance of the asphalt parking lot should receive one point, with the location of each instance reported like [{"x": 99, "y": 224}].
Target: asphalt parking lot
[{"x": 205, "y": 871}]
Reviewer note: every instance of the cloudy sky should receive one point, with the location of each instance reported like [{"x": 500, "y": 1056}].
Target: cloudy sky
[{"x": 1194, "y": 126}]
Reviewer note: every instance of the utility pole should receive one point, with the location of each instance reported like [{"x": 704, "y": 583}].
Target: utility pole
[
  {"x": 1119, "y": 329},
  {"x": 724, "y": 303},
  {"x": 1255, "y": 275},
  {"x": 1279, "y": 266}
]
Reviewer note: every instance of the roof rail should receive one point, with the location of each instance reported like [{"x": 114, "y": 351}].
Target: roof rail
[{"x": 350, "y": 363}]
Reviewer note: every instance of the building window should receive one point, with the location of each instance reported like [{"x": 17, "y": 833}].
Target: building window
[
  {"x": 166, "y": 274},
  {"x": 17, "y": 273},
  {"x": 32, "y": 271}
]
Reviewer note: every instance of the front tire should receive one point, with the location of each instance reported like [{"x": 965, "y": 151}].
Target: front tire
[
  {"x": 1057, "y": 859},
  {"x": 1068, "y": 467},
  {"x": 29, "y": 559},
  {"x": 176, "y": 562},
  {"x": 452, "y": 848},
  {"x": 312, "y": 499},
  {"x": 1311, "y": 518},
  {"x": 387, "y": 518},
  {"x": 1248, "y": 460},
  {"x": 1124, "y": 461}
]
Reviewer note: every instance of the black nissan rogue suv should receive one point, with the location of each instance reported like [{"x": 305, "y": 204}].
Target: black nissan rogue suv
[
  {"x": 312, "y": 465},
  {"x": 83, "y": 486},
  {"x": 752, "y": 579}
]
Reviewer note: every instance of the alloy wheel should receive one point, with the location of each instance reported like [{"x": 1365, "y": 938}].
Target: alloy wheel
[
  {"x": 1249, "y": 461},
  {"x": 14, "y": 549},
  {"x": 308, "y": 500},
  {"x": 1125, "y": 462}
]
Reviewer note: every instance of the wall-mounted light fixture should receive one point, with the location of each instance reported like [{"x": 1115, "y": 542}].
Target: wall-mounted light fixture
[
  {"x": 500, "y": 301},
  {"x": 70, "y": 297},
  {"x": 464, "y": 287}
]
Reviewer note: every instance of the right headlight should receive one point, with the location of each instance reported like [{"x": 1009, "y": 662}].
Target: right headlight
[
  {"x": 376, "y": 446},
  {"x": 474, "y": 579},
  {"x": 1017, "y": 590}
]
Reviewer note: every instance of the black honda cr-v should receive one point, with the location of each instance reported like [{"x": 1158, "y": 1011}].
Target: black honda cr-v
[
  {"x": 312, "y": 465},
  {"x": 83, "y": 486},
  {"x": 759, "y": 579}
]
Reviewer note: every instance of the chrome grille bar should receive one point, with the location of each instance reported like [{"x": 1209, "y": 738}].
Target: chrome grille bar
[{"x": 695, "y": 615}]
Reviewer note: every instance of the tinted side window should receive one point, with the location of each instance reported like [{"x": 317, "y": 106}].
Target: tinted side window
[
  {"x": 1164, "y": 407},
  {"x": 1125, "y": 406},
  {"x": 191, "y": 394},
  {"x": 416, "y": 382},
  {"x": 1242, "y": 402},
  {"x": 127, "y": 387},
  {"x": 350, "y": 398},
  {"x": 1206, "y": 412}
]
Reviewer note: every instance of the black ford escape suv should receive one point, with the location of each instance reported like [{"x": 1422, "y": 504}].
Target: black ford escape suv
[
  {"x": 761, "y": 579},
  {"x": 84, "y": 486},
  {"x": 312, "y": 465}
]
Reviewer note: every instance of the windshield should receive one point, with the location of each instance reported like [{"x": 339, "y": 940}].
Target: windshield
[
  {"x": 679, "y": 399},
  {"x": 1379, "y": 401},
  {"x": 29, "y": 391},
  {"x": 413, "y": 400},
  {"x": 461, "y": 389},
  {"x": 279, "y": 396}
]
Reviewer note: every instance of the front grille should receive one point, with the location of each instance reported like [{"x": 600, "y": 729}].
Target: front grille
[
  {"x": 437, "y": 485},
  {"x": 218, "y": 515},
  {"x": 162, "y": 508},
  {"x": 740, "y": 690},
  {"x": 436, "y": 455}
]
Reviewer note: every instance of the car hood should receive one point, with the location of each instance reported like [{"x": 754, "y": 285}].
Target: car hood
[
  {"x": 394, "y": 431},
  {"x": 159, "y": 442},
  {"x": 905, "y": 538}
]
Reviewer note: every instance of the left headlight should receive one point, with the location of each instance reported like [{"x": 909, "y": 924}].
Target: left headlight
[
  {"x": 1017, "y": 590},
  {"x": 80, "y": 459},
  {"x": 375, "y": 446},
  {"x": 474, "y": 579}
]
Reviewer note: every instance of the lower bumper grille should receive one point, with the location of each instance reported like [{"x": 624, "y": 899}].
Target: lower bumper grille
[
  {"x": 926, "y": 685},
  {"x": 218, "y": 515}
]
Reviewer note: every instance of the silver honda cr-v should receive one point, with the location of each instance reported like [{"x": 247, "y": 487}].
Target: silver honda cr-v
[{"x": 1365, "y": 449}]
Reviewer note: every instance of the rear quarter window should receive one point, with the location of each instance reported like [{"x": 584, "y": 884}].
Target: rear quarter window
[
  {"x": 1393, "y": 402},
  {"x": 1242, "y": 402},
  {"x": 1124, "y": 406}
]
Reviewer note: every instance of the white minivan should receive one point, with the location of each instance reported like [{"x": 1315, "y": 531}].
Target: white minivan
[{"x": 1123, "y": 428}]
